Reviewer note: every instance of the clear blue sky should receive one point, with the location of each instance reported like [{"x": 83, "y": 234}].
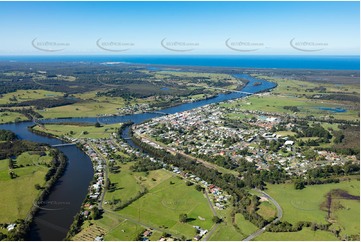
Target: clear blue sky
[{"x": 207, "y": 24}]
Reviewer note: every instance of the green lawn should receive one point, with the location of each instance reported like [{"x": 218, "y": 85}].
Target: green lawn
[
  {"x": 304, "y": 234},
  {"x": 78, "y": 130},
  {"x": 304, "y": 205},
  {"x": 165, "y": 202}
]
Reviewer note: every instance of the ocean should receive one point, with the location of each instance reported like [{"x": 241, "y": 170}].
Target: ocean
[{"x": 278, "y": 62}]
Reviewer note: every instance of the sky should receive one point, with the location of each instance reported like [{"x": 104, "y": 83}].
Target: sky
[{"x": 226, "y": 28}]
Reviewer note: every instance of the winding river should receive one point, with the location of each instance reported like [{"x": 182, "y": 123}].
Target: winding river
[{"x": 56, "y": 214}]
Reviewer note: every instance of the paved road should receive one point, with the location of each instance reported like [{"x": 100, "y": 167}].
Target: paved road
[
  {"x": 279, "y": 216},
  {"x": 209, "y": 234},
  {"x": 210, "y": 202},
  {"x": 214, "y": 227}
]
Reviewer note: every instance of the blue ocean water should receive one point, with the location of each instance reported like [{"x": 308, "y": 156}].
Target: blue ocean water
[{"x": 287, "y": 62}]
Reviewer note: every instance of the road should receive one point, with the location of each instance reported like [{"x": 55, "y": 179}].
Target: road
[
  {"x": 214, "y": 227},
  {"x": 279, "y": 216}
]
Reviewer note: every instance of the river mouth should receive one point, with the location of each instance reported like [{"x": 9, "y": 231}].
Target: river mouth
[{"x": 54, "y": 219}]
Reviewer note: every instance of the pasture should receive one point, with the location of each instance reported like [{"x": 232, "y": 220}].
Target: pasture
[
  {"x": 8, "y": 117},
  {"x": 27, "y": 95},
  {"x": 81, "y": 109},
  {"x": 19, "y": 194},
  {"x": 305, "y": 234},
  {"x": 79, "y": 131},
  {"x": 306, "y": 204},
  {"x": 164, "y": 203}
]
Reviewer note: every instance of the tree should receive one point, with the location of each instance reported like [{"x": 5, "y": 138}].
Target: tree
[
  {"x": 198, "y": 188},
  {"x": 216, "y": 219},
  {"x": 37, "y": 187},
  {"x": 183, "y": 218},
  {"x": 95, "y": 213},
  {"x": 97, "y": 125},
  {"x": 299, "y": 185}
]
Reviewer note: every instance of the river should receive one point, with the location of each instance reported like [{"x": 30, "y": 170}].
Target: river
[{"x": 54, "y": 219}]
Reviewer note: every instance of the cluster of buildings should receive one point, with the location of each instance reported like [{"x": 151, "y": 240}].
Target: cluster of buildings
[
  {"x": 99, "y": 172},
  {"x": 204, "y": 132},
  {"x": 220, "y": 199}
]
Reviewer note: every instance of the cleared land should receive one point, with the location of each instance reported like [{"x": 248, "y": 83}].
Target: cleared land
[
  {"x": 308, "y": 205},
  {"x": 7, "y": 117},
  {"x": 305, "y": 234},
  {"x": 170, "y": 201},
  {"x": 267, "y": 210},
  {"x": 79, "y": 131},
  {"x": 18, "y": 195},
  {"x": 232, "y": 232},
  {"x": 160, "y": 208},
  {"x": 303, "y": 95},
  {"x": 128, "y": 183},
  {"x": 81, "y": 109},
  {"x": 27, "y": 95}
]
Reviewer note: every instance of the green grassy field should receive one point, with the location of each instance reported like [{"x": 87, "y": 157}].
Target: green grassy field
[
  {"x": 82, "y": 109},
  {"x": 18, "y": 195},
  {"x": 305, "y": 205},
  {"x": 159, "y": 208},
  {"x": 78, "y": 130},
  {"x": 27, "y": 158},
  {"x": 267, "y": 210},
  {"x": 346, "y": 218},
  {"x": 275, "y": 103},
  {"x": 170, "y": 201},
  {"x": 227, "y": 232},
  {"x": 27, "y": 95},
  {"x": 126, "y": 186},
  {"x": 124, "y": 231},
  {"x": 7, "y": 117},
  {"x": 304, "y": 234}
]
